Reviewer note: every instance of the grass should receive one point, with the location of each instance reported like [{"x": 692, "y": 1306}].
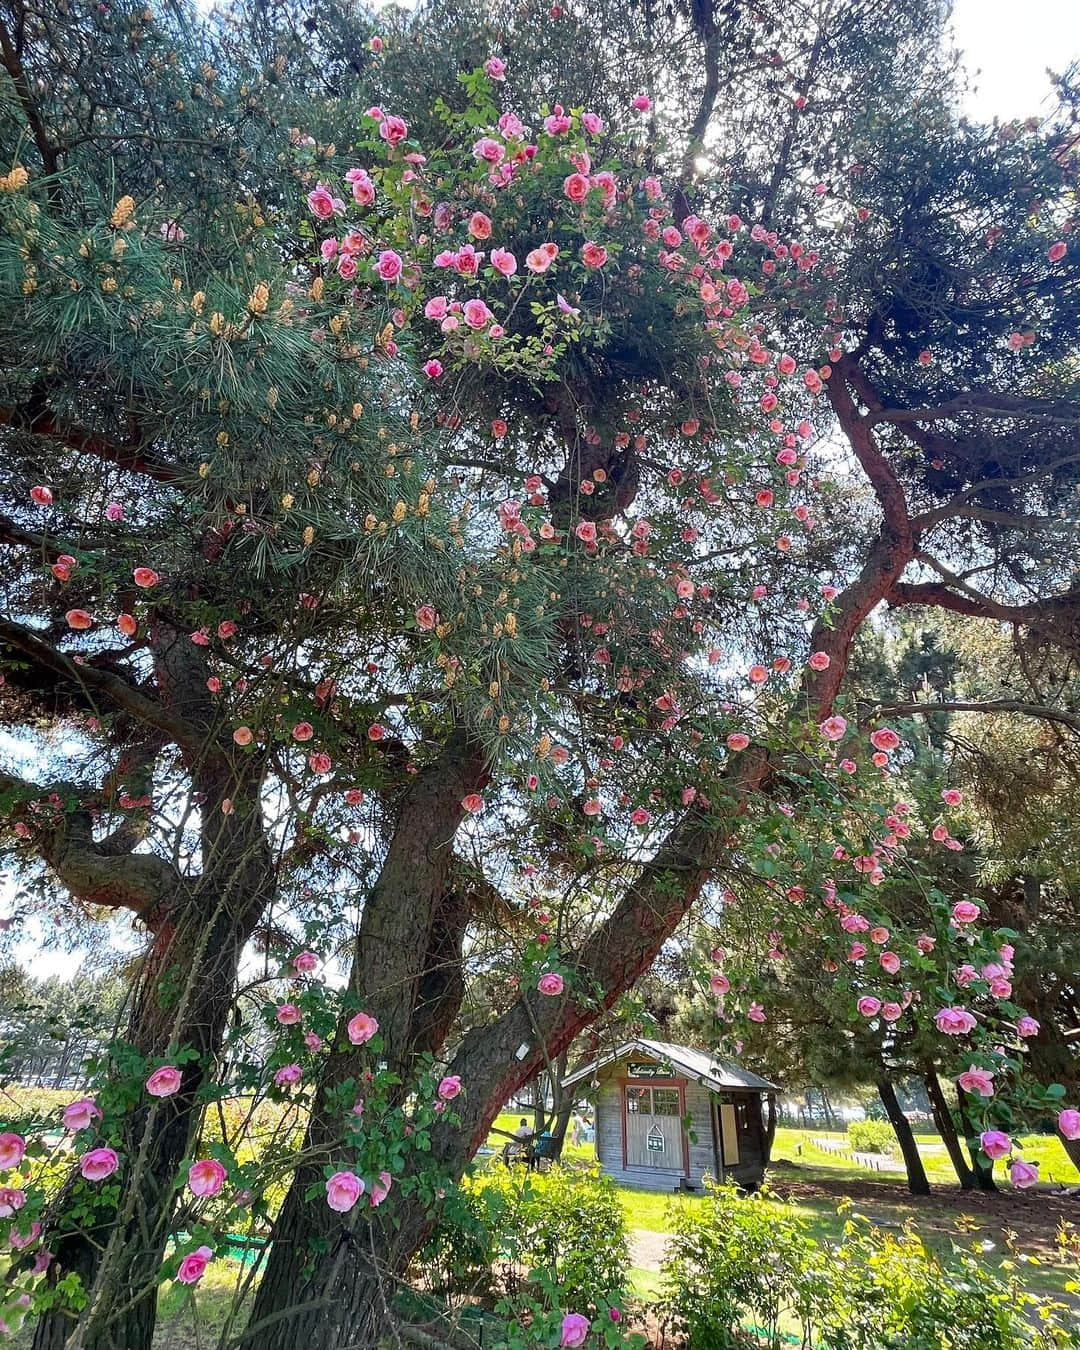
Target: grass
[{"x": 797, "y": 1146}]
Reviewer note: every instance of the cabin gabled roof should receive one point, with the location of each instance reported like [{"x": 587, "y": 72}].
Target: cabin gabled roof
[{"x": 718, "y": 1075}]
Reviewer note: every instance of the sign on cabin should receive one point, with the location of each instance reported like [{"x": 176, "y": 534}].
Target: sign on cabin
[
  {"x": 655, "y": 1140},
  {"x": 647, "y": 1069}
]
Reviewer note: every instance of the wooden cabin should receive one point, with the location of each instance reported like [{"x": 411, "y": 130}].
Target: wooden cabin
[{"x": 668, "y": 1115}]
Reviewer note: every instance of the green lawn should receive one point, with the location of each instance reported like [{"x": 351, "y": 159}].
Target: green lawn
[{"x": 796, "y": 1146}]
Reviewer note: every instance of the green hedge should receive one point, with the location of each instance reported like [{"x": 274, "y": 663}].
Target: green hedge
[
  {"x": 510, "y": 1225},
  {"x": 871, "y": 1136},
  {"x": 747, "y": 1261}
]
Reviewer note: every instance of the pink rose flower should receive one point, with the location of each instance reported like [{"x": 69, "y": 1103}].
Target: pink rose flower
[
  {"x": 343, "y": 1190},
  {"x": 576, "y": 187},
  {"x": 954, "y": 1021},
  {"x": 473, "y": 803},
  {"x": 738, "y": 740},
  {"x": 833, "y": 728},
  {"x": 449, "y": 1088},
  {"x": 22, "y": 1240},
  {"x": 884, "y": 739},
  {"x": 206, "y": 1177},
  {"x": 433, "y": 368},
  {"x": 361, "y": 1028},
  {"x": 819, "y": 660},
  {"x": 322, "y": 203},
  {"x": 551, "y": 984},
  {"x": 575, "y": 1331},
  {"x": 495, "y": 68},
  {"x": 868, "y": 1006},
  {"x": 193, "y": 1266},
  {"x": 287, "y": 1014},
  {"x": 593, "y": 254},
  {"x": 79, "y": 619},
  {"x": 81, "y": 1114},
  {"x": 951, "y": 796},
  {"x": 980, "y": 1081},
  {"x": 163, "y": 1082},
  {"x": 641, "y": 102},
  {"x": 1068, "y": 1122},
  {"x": 41, "y": 496},
  {"x": 965, "y": 911},
  {"x": 393, "y": 130},
  {"x": 995, "y": 1144},
  {"x": 288, "y": 1075},
  {"x": 1027, "y": 1026},
  {"x": 12, "y": 1150},
  {"x": 476, "y": 314},
  {"x": 380, "y": 1189},
  {"x": 1023, "y": 1174},
  {"x": 98, "y": 1164},
  {"x": 503, "y": 261},
  {"x": 12, "y": 1200},
  {"x": 489, "y": 150},
  {"x": 389, "y": 265}
]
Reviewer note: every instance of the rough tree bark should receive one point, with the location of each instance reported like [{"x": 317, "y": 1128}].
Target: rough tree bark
[
  {"x": 340, "y": 1301},
  {"x": 198, "y": 930},
  {"x": 344, "y": 1301},
  {"x": 946, "y": 1126},
  {"x": 916, "y": 1173},
  {"x": 981, "y": 1165}
]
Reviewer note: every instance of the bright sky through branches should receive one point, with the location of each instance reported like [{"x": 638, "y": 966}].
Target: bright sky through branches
[{"x": 1007, "y": 47}]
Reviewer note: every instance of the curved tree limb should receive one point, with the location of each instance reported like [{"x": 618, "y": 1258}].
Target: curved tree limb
[
  {"x": 117, "y": 691},
  {"x": 998, "y": 705}
]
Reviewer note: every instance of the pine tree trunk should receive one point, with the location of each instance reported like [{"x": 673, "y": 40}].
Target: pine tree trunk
[
  {"x": 564, "y": 1107},
  {"x": 946, "y": 1126},
  {"x": 320, "y": 1289},
  {"x": 183, "y": 1000},
  {"x": 916, "y": 1173},
  {"x": 981, "y": 1165},
  {"x": 770, "y": 1126}
]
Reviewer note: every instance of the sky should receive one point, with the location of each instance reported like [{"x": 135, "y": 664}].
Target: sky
[{"x": 1006, "y": 46}]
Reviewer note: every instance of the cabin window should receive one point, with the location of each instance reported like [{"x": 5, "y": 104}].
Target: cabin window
[{"x": 652, "y": 1101}]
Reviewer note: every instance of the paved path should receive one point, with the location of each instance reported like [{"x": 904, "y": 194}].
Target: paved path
[{"x": 647, "y": 1249}]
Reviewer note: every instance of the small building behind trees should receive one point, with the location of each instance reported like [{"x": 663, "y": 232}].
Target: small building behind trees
[{"x": 668, "y": 1115}]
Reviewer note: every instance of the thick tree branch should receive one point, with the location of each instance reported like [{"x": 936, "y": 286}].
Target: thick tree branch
[
  {"x": 983, "y": 405},
  {"x": 118, "y": 691},
  {"x": 999, "y": 705},
  {"x": 696, "y": 135},
  {"x": 49, "y": 158},
  {"x": 508, "y": 1052},
  {"x": 130, "y": 455},
  {"x": 141, "y": 882},
  {"x": 858, "y": 428}
]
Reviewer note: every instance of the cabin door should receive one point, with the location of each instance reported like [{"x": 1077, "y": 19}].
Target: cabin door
[{"x": 654, "y": 1134}]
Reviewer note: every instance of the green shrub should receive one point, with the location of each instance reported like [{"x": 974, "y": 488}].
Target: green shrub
[
  {"x": 733, "y": 1259},
  {"x": 871, "y": 1136},
  {"x": 569, "y": 1226},
  {"x": 737, "y": 1263},
  {"x": 888, "y": 1291}
]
